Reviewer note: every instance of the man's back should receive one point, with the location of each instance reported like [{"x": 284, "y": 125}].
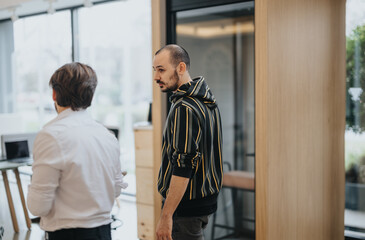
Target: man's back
[
  {"x": 76, "y": 169},
  {"x": 85, "y": 156}
]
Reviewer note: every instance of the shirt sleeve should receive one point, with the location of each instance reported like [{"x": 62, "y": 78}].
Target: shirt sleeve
[
  {"x": 119, "y": 183},
  {"x": 186, "y": 134},
  {"x": 46, "y": 168}
]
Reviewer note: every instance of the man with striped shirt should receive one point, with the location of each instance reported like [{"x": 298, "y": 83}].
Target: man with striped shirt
[{"x": 190, "y": 176}]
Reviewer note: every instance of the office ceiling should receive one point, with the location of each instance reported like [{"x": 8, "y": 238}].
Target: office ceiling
[{"x": 26, "y": 7}]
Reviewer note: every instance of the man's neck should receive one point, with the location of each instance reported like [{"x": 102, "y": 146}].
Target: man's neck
[
  {"x": 185, "y": 79},
  {"x": 61, "y": 109}
]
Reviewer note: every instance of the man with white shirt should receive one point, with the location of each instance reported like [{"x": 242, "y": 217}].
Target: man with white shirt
[{"x": 76, "y": 169}]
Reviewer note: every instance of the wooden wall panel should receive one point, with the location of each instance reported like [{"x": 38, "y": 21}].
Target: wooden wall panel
[
  {"x": 144, "y": 150},
  {"x": 300, "y": 118},
  {"x": 145, "y": 222},
  {"x": 145, "y": 189},
  {"x": 159, "y": 99},
  {"x": 261, "y": 58}
]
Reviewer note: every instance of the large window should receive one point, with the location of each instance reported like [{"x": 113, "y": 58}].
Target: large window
[
  {"x": 42, "y": 44},
  {"x": 355, "y": 119},
  {"x": 114, "y": 38}
]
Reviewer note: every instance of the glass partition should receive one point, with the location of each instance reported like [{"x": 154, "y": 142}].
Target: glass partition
[
  {"x": 42, "y": 44},
  {"x": 118, "y": 46},
  {"x": 220, "y": 42},
  {"x": 355, "y": 120}
]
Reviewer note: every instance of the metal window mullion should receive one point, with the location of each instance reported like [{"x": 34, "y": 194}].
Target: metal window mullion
[{"x": 75, "y": 35}]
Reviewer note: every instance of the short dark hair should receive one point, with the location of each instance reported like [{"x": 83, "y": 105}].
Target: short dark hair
[
  {"x": 177, "y": 54},
  {"x": 74, "y": 84}
]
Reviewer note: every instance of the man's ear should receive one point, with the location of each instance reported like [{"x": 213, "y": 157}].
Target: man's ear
[
  {"x": 181, "y": 68},
  {"x": 54, "y": 95}
]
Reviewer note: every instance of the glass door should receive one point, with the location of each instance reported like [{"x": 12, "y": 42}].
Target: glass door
[
  {"x": 355, "y": 121},
  {"x": 220, "y": 41}
]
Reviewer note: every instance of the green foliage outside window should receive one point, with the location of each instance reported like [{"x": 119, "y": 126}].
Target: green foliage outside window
[
  {"x": 355, "y": 103},
  {"x": 355, "y": 77}
]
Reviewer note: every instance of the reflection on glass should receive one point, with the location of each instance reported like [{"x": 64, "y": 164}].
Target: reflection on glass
[
  {"x": 115, "y": 39},
  {"x": 41, "y": 45},
  {"x": 355, "y": 119},
  {"x": 220, "y": 41}
]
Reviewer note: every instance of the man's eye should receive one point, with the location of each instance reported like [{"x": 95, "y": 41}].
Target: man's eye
[{"x": 161, "y": 70}]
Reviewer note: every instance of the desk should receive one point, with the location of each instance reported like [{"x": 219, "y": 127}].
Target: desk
[{"x": 4, "y": 166}]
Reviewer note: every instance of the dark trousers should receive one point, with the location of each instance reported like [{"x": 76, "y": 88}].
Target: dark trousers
[
  {"x": 96, "y": 233},
  {"x": 189, "y": 228}
]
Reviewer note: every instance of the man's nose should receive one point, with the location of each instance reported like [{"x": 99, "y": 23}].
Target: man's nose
[{"x": 156, "y": 76}]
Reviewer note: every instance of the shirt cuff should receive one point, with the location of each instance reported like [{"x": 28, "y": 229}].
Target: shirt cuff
[
  {"x": 39, "y": 202},
  {"x": 182, "y": 172}
]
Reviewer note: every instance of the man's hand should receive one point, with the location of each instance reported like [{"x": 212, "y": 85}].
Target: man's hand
[
  {"x": 177, "y": 189},
  {"x": 164, "y": 228}
]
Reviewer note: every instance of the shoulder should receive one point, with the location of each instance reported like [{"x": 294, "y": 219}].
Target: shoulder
[
  {"x": 187, "y": 102},
  {"x": 182, "y": 109},
  {"x": 192, "y": 104},
  {"x": 45, "y": 139},
  {"x": 49, "y": 134}
]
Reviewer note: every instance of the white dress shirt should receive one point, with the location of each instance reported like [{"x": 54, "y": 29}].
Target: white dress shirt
[{"x": 76, "y": 173}]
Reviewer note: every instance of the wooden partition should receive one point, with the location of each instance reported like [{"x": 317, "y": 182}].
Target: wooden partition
[
  {"x": 159, "y": 100},
  {"x": 145, "y": 191},
  {"x": 300, "y": 119},
  {"x": 148, "y": 141}
]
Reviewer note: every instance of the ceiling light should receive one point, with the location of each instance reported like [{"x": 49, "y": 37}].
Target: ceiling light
[
  {"x": 88, "y": 3},
  {"x": 51, "y": 8},
  {"x": 14, "y": 16}
]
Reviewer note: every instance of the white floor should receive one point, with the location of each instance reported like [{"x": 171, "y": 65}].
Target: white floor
[
  {"x": 126, "y": 213},
  {"x": 354, "y": 219}
]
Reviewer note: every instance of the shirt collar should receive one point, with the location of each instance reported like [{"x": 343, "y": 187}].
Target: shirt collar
[{"x": 66, "y": 113}]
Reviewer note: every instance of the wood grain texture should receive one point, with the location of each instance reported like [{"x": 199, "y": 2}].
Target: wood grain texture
[
  {"x": 145, "y": 188},
  {"x": 158, "y": 99},
  {"x": 10, "y": 201},
  {"x": 261, "y": 160},
  {"x": 145, "y": 222},
  {"x": 300, "y": 119},
  {"x": 22, "y": 198},
  {"x": 144, "y": 147}
]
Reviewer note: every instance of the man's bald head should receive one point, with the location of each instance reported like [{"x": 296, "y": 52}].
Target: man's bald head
[{"x": 177, "y": 54}]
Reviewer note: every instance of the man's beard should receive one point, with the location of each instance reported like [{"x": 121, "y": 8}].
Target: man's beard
[{"x": 174, "y": 78}]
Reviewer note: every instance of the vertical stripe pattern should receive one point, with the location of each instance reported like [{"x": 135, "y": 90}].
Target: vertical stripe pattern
[{"x": 192, "y": 142}]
